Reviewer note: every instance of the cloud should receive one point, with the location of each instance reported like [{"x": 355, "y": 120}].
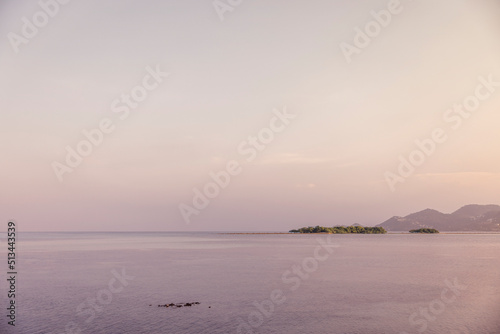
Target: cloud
[
  {"x": 300, "y": 159},
  {"x": 458, "y": 175}
]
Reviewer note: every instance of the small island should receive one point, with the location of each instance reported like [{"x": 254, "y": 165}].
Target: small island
[
  {"x": 341, "y": 230},
  {"x": 424, "y": 230}
]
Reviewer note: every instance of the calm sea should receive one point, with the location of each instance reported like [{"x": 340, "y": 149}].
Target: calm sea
[{"x": 112, "y": 283}]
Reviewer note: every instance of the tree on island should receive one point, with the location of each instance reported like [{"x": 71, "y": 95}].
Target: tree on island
[
  {"x": 341, "y": 230},
  {"x": 424, "y": 230}
]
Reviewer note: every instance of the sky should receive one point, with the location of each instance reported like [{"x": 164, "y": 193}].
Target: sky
[{"x": 307, "y": 113}]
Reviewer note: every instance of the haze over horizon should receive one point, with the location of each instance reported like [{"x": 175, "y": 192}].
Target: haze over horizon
[{"x": 353, "y": 117}]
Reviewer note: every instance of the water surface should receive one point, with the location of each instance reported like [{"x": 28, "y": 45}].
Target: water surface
[{"x": 257, "y": 283}]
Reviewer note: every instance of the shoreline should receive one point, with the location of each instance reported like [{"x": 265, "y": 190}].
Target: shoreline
[{"x": 357, "y": 233}]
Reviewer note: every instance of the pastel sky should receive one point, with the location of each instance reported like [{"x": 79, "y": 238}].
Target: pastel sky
[{"x": 328, "y": 165}]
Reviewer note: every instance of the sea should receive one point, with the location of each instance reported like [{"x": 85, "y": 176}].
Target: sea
[{"x": 120, "y": 282}]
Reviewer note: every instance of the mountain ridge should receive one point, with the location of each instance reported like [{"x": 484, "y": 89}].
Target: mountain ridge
[{"x": 471, "y": 217}]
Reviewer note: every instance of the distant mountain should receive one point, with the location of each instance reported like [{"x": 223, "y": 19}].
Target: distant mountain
[
  {"x": 474, "y": 210},
  {"x": 468, "y": 218}
]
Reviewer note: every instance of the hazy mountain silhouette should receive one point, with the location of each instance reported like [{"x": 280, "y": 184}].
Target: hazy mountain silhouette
[{"x": 471, "y": 217}]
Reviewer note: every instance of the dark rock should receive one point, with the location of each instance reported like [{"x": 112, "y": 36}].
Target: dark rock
[{"x": 180, "y": 304}]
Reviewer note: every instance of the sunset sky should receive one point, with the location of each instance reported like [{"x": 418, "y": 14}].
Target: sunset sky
[{"x": 354, "y": 116}]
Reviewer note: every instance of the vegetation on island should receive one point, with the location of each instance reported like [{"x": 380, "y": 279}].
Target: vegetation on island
[
  {"x": 425, "y": 230},
  {"x": 341, "y": 230}
]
